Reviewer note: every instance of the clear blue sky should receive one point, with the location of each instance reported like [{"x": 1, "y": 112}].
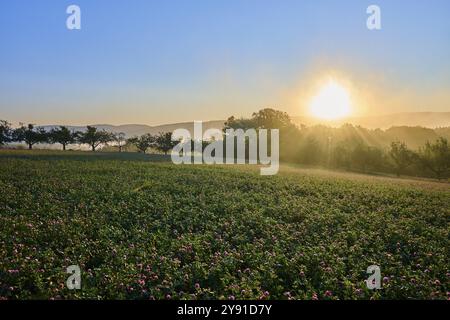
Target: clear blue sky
[{"x": 152, "y": 61}]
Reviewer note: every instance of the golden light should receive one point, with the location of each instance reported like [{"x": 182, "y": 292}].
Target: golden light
[{"x": 332, "y": 102}]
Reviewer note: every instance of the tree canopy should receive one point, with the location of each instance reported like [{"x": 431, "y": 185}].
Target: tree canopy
[{"x": 94, "y": 137}]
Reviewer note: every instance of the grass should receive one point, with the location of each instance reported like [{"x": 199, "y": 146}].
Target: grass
[{"x": 142, "y": 228}]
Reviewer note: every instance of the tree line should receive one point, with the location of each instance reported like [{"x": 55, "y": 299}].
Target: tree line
[
  {"x": 354, "y": 148},
  {"x": 94, "y": 138},
  {"x": 349, "y": 147}
]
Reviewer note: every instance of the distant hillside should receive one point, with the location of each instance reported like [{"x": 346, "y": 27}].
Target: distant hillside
[
  {"x": 131, "y": 130},
  {"x": 415, "y": 137},
  {"x": 412, "y": 119}
]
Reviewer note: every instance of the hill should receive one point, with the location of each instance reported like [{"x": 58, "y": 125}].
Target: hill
[
  {"x": 412, "y": 119},
  {"x": 131, "y": 130}
]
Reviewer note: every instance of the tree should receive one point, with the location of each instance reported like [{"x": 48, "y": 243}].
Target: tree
[
  {"x": 143, "y": 143},
  {"x": 436, "y": 157},
  {"x": 30, "y": 135},
  {"x": 366, "y": 157},
  {"x": 402, "y": 156},
  {"x": 244, "y": 124},
  {"x": 94, "y": 137},
  {"x": 263, "y": 119},
  {"x": 164, "y": 143},
  {"x": 311, "y": 152},
  {"x": 119, "y": 138},
  {"x": 63, "y": 136},
  {"x": 341, "y": 156},
  {"x": 271, "y": 119},
  {"x": 5, "y": 132}
]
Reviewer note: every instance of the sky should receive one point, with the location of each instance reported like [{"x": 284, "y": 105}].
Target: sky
[{"x": 156, "y": 62}]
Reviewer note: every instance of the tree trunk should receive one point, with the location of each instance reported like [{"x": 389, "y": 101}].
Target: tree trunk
[
  {"x": 30, "y": 146},
  {"x": 93, "y": 148},
  {"x": 64, "y": 147}
]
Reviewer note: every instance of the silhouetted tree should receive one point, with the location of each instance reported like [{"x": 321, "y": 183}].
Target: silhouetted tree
[
  {"x": 311, "y": 152},
  {"x": 402, "y": 156},
  {"x": 164, "y": 143},
  {"x": 436, "y": 157},
  {"x": 94, "y": 137},
  {"x": 63, "y": 136},
  {"x": 119, "y": 138},
  {"x": 365, "y": 157},
  {"x": 143, "y": 143},
  {"x": 30, "y": 135},
  {"x": 341, "y": 156},
  {"x": 5, "y": 132},
  {"x": 271, "y": 119},
  {"x": 244, "y": 124}
]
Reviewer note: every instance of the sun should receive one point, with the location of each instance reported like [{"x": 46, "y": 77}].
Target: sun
[{"x": 331, "y": 102}]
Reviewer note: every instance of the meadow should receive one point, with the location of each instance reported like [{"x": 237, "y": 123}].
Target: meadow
[{"x": 142, "y": 228}]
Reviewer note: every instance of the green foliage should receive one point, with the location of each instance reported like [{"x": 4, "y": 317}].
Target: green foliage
[
  {"x": 233, "y": 123},
  {"x": 349, "y": 147},
  {"x": 143, "y": 143},
  {"x": 119, "y": 139},
  {"x": 311, "y": 152},
  {"x": 161, "y": 142},
  {"x": 30, "y": 135},
  {"x": 63, "y": 136},
  {"x": 271, "y": 119},
  {"x": 436, "y": 157},
  {"x": 5, "y": 132},
  {"x": 141, "y": 229},
  {"x": 353, "y": 147},
  {"x": 402, "y": 156},
  {"x": 94, "y": 137},
  {"x": 365, "y": 157},
  {"x": 164, "y": 143}
]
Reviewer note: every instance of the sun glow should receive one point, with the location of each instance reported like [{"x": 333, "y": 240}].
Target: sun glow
[{"x": 332, "y": 102}]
